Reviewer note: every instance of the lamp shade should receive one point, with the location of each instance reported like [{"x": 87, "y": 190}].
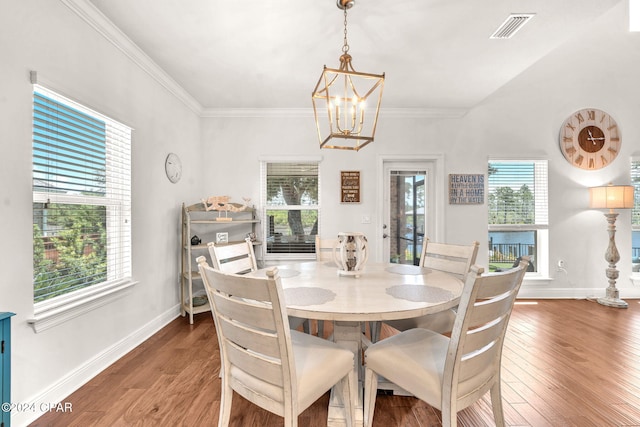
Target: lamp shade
[{"x": 611, "y": 197}]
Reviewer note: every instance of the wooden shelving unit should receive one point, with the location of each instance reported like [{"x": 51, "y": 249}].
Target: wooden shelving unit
[{"x": 206, "y": 225}]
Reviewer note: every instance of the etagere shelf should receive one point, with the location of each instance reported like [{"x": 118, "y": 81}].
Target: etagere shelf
[{"x": 205, "y": 226}]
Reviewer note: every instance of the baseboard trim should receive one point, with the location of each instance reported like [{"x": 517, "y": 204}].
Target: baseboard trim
[{"x": 80, "y": 376}]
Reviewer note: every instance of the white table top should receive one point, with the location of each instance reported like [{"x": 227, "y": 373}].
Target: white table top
[{"x": 314, "y": 290}]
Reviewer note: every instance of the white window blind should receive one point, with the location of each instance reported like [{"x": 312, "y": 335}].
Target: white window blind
[
  {"x": 518, "y": 192},
  {"x": 81, "y": 197},
  {"x": 290, "y": 196}
]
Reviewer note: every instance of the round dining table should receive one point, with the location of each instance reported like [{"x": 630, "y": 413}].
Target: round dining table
[{"x": 381, "y": 291}]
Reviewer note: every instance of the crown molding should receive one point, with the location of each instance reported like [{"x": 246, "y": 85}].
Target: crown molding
[
  {"x": 98, "y": 21},
  {"x": 387, "y": 113}
]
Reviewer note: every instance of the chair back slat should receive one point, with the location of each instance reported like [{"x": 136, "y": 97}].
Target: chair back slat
[
  {"x": 263, "y": 342},
  {"x": 237, "y": 258},
  {"x": 255, "y": 364},
  {"x": 324, "y": 249},
  {"x": 489, "y": 310},
  {"x": 452, "y": 259},
  {"x": 241, "y": 286},
  {"x": 482, "y": 336}
]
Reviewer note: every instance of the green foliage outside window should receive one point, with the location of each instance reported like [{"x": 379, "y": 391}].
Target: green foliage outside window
[{"x": 69, "y": 248}]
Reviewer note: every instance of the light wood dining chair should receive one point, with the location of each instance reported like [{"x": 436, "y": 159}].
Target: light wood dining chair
[
  {"x": 451, "y": 373},
  {"x": 239, "y": 258},
  {"x": 281, "y": 370},
  {"x": 449, "y": 258},
  {"x": 324, "y": 253}
]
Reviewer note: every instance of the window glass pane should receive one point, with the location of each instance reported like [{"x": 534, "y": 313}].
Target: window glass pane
[
  {"x": 291, "y": 231},
  {"x": 69, "y": 149},
  {"x": 69, "y": 248},
  {"x": 506, "y": 247},
  {"x": 292, "y": 184},
  {"x": 517, "y": 192}
]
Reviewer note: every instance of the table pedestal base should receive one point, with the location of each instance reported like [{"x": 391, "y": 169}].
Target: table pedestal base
[{"x": 349, "y": 336}]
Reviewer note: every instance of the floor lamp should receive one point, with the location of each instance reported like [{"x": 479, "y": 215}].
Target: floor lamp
[{"x": 612, "y": 197}]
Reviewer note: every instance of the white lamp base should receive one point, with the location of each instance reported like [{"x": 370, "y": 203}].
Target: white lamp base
[{"x": 613, "y": 299}]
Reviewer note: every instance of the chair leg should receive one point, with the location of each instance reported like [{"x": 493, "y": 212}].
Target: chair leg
[
  {"x": 321, "y": 328},
  {"x": 225, "y": 404},
  {"x": 370, "y": 392},
  {"x": 349, "y": 397},
  {"x": 496, "y": 404},
  {"x": 449, "y": 412}
]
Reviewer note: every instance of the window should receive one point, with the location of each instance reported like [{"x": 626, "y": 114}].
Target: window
[
  {"x": 81, "y": 198},
  {"x": 518, "y": 213},
  {"x": 635, "y": 216},
  {"x": 290, "y": 197}
]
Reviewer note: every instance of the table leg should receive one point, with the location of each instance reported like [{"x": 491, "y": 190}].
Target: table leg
[{"x": 348, "y": 335}]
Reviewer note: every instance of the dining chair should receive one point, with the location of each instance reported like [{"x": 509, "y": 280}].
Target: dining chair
[
  {"x": 324, "y": 253},
  {"x": 449, "y": 258},
  {"x": 451, "y": 373},
  {"x": 239, "y": 258},
  {"x": 279, "y": 369}
]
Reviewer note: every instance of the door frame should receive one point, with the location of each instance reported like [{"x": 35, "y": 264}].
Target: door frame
[{"x": 434, "y": 228}]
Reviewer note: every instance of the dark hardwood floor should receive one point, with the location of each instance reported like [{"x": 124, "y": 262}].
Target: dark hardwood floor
[{"x": 565, "y": 363}]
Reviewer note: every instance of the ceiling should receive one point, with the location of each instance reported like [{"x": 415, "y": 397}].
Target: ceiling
[{"x": 436, "y": 54}]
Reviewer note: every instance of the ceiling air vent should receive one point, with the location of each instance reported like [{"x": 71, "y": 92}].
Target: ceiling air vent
[{"x": 511, "y": 25}]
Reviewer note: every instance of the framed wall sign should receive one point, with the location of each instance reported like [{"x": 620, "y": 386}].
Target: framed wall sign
[
  {"x": 466, "y": 189},
  {"x": 350, "y": 186}
]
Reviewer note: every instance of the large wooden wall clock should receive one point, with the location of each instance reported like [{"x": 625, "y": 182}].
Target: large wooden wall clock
[{"x": 590, "y": 139}]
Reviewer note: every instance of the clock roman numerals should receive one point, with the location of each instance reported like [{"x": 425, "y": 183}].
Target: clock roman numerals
[{"x": 590, "y": 139}]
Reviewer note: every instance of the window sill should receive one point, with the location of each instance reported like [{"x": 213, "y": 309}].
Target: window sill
[{"x": 50, "y": 313}]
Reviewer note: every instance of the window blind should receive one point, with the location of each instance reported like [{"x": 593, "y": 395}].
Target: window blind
[
  {"x": 518, "y": 192},
  {"x": 290, "y": 192},
  {"x": 81, "y": 197}
]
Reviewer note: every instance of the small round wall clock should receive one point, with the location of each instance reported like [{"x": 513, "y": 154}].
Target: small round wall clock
[
  {"x": 590, "y": 139},
  {"x": 173, "y": 167}
]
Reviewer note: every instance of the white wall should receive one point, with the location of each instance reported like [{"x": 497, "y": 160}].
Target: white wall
[
  {"x": 220, "y": 155},
  {"x": 73, "y": 58}
]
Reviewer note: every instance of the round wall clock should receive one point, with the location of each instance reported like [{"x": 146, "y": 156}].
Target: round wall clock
[
  {"x": 173, "y": 167},
  {"x": 590, "y": 139}
]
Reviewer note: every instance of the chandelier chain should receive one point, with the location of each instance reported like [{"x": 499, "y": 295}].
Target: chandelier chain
[{"x": 345, "y": 47}]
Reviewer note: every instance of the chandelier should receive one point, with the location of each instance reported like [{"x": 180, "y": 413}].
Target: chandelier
[{"x": 346, "y": 102}]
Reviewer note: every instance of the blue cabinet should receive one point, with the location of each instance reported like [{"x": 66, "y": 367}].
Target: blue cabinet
[{"x": 5, "y": 366}]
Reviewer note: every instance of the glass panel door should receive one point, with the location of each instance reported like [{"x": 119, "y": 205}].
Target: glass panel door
[{"x": 407, "y": 216}]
